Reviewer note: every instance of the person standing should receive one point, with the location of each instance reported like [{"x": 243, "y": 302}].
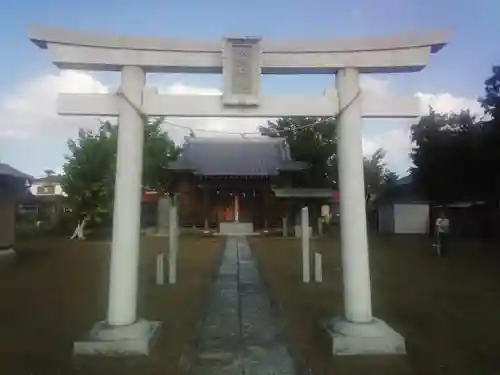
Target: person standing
[{"x": 443, "y": 232}]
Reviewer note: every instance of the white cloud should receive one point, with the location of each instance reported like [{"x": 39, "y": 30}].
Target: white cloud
[
  {"x": 179, "y": 88},
  {"x": 31, "y": 109},
  {"x": 397, "y": 145},
  {"x": 393, "y": 141},
  {"x": 446, "y": 102}
]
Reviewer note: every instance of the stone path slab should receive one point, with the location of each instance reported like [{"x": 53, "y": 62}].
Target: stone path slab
[{"x": 239, "y": 334}]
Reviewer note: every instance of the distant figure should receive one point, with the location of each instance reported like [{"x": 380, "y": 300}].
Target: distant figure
[{"x": 443, "y": 231}]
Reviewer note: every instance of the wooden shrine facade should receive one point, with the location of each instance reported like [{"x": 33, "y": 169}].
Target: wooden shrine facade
[{"x": 234, "y": 180}]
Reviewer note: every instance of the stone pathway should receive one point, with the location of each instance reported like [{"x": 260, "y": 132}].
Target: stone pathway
[{"x": 239, "y": 334}]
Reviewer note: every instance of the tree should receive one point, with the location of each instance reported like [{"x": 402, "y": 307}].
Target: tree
[
  {"x": 89, "y": 171},
  {"x": 491, "y": 100},
  {"x": 447, "y": 157},
  {"x": 491, "y": 136},
  {"x": 374, "y": 168},
  {"x": 456, "y": 155},
  {"x": 379, "y": 180},
  {"x": 389, "y": 187},
  {"x": 311, "y": 140}
]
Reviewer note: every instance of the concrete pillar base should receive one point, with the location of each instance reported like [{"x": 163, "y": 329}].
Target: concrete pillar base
[
  {"x": 130, "y": 340},
  {"x": 371, "y": 338}
]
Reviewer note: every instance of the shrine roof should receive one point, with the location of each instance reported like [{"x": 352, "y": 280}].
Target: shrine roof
[
  {"x": 9, "y": 172},
  {"x": 260, "y": 156}
]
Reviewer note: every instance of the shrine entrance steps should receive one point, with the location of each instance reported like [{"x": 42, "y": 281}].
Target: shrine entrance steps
[{"x": 235, "y": 228}]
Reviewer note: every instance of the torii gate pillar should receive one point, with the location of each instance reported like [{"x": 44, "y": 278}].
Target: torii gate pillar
[
  {"x": 357, "y": 332},
  {"x": 241, "y": 61},
  {"x": 127, "y": 203}
]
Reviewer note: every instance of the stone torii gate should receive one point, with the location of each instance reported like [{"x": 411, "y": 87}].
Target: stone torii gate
[{"x": 241, "y": 62}]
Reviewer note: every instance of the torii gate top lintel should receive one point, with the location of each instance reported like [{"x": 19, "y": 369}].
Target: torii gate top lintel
[
  {"x": 241, "y": 62},
  {"x": 88, "y": 51}
]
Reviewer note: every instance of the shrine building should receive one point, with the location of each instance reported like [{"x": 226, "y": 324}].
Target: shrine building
[{"x": 245, "y": 182}]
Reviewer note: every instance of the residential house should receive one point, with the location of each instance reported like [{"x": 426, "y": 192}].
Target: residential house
[
  {"x": 44, "y": 201},
  {"x": 49, "y": 185}
]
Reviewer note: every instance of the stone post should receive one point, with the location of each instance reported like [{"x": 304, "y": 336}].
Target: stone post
[
  {"x": 173, "y": 245},
  {"x": 163, "y": 215},
  {"x": 320, "y": 226},
  {"x": 285, "y": 227},
  {"x": 122, "y": 304},
  {"x": 266, "y": 209},
  {"x": 205, "y": 208},
  {"x": 236, "y": 207},
  {"x": 318, "y": 267},
  {"x": 306, "y": 257},
  {"x": 160, "y": 271}
]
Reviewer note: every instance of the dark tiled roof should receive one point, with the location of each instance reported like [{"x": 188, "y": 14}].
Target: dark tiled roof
[
  {"x": 236, "y": 157},
  {"x": 7, "y": 171}
]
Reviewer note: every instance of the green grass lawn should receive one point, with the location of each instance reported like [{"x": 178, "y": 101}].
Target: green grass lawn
[
  {"x": 58, "y": 289},
  {"x": 448, "y": 309}
]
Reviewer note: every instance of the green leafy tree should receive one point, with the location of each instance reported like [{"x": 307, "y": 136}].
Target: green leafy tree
[
  {"x": 374, "y": 168},
  {"x": 456, "y": 155},
  {"x": 379, "y": 180},
  {"x": 490, "y": 148},
  {"x": 388, "y": 189},
  {"x": 491, "y": 100},
  {"x": 89, "y": 171},
  {"x": 311, "y": 140},
  {"x": 447, "y": 157}
]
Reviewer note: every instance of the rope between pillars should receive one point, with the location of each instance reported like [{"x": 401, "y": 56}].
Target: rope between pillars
[{"x": 139, "y": 110}]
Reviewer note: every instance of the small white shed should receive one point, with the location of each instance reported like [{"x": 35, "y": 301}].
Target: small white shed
[
  {"x": 407, "y": 212},
  {"x": 404, "y": 218}
]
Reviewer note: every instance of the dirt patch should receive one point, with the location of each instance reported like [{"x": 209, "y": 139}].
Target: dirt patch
[
  {"x": 447, "y": 308},
  {"x": 58, "y": 289}
]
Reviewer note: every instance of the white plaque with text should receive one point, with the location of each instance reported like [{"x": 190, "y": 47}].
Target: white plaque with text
[{"x": 241, "y": 71}]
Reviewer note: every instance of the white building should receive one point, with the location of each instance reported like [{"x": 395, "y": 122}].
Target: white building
[
  {"x": 404, "y": 218},
  {"x": 407, "y": 213},
  {"x": 47, "y": 186}
]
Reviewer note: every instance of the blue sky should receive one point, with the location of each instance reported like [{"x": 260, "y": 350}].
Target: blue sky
[{"x": 32, "y": 138}]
